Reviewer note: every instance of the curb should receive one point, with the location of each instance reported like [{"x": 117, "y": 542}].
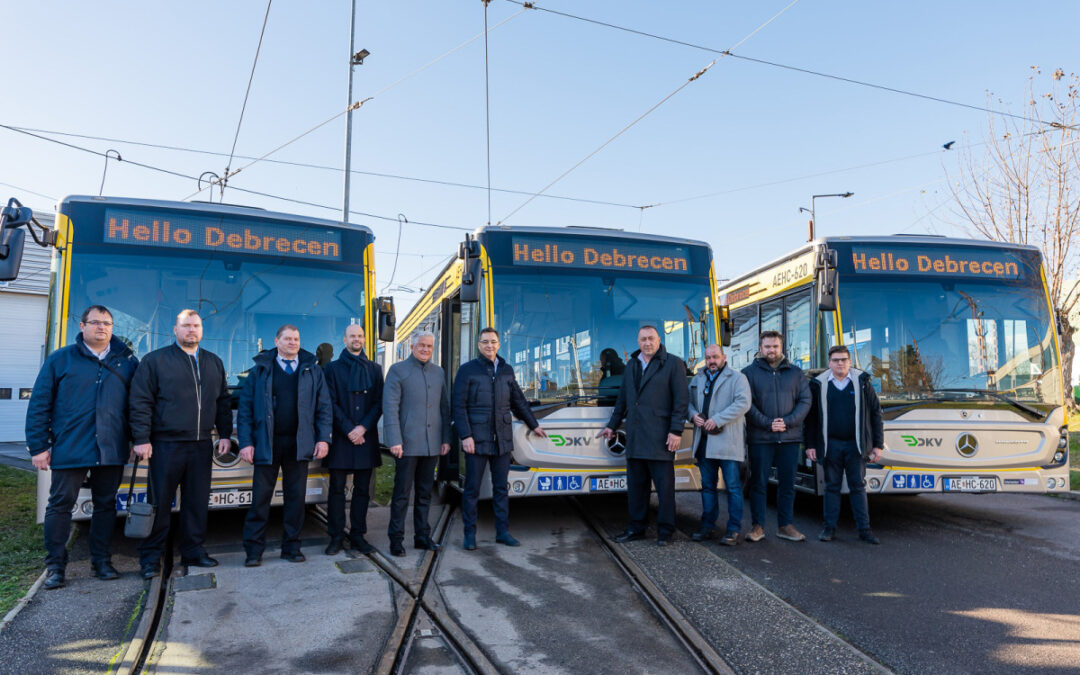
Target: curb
[
  {"x": 1073, "y": 495},
  {"x": 23, "y": 602}
]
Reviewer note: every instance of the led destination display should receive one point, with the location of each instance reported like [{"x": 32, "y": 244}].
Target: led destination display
[
  {"x": 958, "y": 262},
  {"x": 600, "y": 255},
  {"x": 196, "y": 233}
]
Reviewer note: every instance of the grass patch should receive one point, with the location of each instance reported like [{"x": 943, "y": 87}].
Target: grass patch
[
  {"x": 20, "y": 537},
  {"x": 1074, "y": 460},
  {"x": 384, "y": 480}
]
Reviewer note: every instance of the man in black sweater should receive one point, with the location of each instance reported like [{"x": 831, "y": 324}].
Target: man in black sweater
[{"x": 178, "y": 395}]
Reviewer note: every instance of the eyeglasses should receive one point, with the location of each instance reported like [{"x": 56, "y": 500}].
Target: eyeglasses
[
  {"x": 840, "y": 360},
  {"x": 106, "y": 324},
  {"x": 489, "y": 342}
]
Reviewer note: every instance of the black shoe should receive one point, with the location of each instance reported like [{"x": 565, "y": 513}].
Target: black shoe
[
  {"x": 662, "y": 541},
  {"x": 202, "y": 561},
  {"x": 702, "y": 534},
  {"x": 397, "y": 549},
  {"x": 629, "y": 535},
  {"x": 150, "y": 571},
  {"x": 253, "y": 560},
  {"x": 425, "y": 544},
  {"x": 868, "y": 537},
  {"x": 361, "y": 545},
  {"x": 469, "y": 544},
  {"x": 53, "y": 579},
  {"x": 293, "y": 556},
  {"x": 506, "y": 539},
  {"x": 827, "y": 534},
  {"x": 334, "y": 547},
  {"x": 105, "y": 571}
]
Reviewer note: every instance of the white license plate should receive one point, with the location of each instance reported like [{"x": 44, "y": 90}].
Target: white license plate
[
  {"x": 224, "y": 498},
  {"x": 969, "y": 484},
  {"x": 608, "y": 484}
]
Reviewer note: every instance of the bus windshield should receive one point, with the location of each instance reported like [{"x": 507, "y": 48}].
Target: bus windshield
[
  {"x": 571, "y": 335},
  {"x": 922, "y": 337}
]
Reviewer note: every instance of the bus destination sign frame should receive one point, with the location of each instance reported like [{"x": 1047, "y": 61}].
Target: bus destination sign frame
[
  {"x": 585, "y": 254},
  {"x": 968, "y": 263}
]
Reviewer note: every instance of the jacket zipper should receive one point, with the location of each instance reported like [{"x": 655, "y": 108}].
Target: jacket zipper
[{"x": 198, "y": 401}]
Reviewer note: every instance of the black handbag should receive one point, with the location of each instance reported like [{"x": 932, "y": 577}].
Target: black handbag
[{"x": 140, "y": 515}]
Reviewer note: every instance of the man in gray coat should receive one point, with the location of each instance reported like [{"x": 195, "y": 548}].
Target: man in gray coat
[
  {"x": 416, "y": 426},
  {"x": 719, "y": 399}
]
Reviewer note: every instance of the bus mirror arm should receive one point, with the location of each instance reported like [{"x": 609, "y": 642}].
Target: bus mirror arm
[{"x": 13, "y": 240}]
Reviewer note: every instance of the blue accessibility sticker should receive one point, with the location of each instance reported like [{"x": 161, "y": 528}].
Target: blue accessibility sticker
[
  {"x": 913, "y": 481},
  {"x": 558, "y": 483}
]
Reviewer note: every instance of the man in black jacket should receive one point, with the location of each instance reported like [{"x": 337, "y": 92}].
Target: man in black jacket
[
  {"x": 653, "y": 401},
  {"x": 485, "y": 394},
  {"x": 76, "y": 422},
  {"x": 356, "y": 389},
  {"x": 845, "y": 423},
  {"x": 178, "y": 396},
  {"x": 283, "y": 422},
  {"x": 780, "y": 402}
]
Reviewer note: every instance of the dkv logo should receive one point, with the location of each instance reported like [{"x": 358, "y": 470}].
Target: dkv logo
[
  {"x": 559, "y": 441},
  {"x": 922, "y": 442}
]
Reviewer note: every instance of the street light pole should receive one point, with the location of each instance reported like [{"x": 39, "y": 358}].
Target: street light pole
[
  {"x": 355, "y": 59},
  {"x": 802, "y": 209}
]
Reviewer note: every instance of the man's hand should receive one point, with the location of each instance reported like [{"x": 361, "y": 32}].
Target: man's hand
[
  {"x": 248, "y": 454},
  {"x": 698, "y": 420},
  {"x": 607, "y": 433},
  {"x": 444, "y": 449},
  {"x": 468, "y": 445},
  {"x": 539, "y": 431},
  {"x": 356, "y": 436},
  {"x": 673, "y": 442},
  {"x": 322, "y": 449},
  {"x": 143, "y": 450},
  {"x": 709, "y": 425},
  {"x": 224, "y": 445},
  {"x": 398, "y": 450},
  {"x": 41, "y": 460},
  {"x": 778, "y": 424},
  {"x": 875, "y": 454},
  {"x": 811, "y": 454}
]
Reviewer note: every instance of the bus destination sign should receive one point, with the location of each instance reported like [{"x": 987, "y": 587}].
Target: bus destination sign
[
  {"x": 200, "y": 233},
  {"x": 954, "y": 262},
  {"x": 600, "y": 255}
]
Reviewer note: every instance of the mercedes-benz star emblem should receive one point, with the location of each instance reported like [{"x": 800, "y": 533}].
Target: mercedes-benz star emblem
[
  {"x": 617, "y": 445},
  {"x": 967, "y": 445}
]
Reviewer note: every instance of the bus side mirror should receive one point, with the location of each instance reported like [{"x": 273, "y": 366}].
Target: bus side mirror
[
  {"x": 472, "y": 270},
  {"x": 826, "y": 280},
  {"x": 385, "y": 320},
  {"x": 11, "y": 250},
  {"x": 726, "y": 327}
]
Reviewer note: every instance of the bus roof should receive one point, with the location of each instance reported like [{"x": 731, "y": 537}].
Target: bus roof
[
  {"x": 205, "y": 207},
  {"x": 573, "y": 230}
]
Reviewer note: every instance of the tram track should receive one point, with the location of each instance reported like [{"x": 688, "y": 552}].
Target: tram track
[{"x": 146, "y": 634}]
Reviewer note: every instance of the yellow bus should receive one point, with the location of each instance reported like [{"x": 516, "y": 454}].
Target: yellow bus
[
  {"x": 960, "y": 340},
  {"x": 568, "y": 303}
]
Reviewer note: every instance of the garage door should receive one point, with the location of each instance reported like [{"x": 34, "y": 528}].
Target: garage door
[{"x": 23, "y": 319}]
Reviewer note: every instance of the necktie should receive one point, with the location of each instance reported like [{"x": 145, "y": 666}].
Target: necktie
[{"x": 289, "y": 366}]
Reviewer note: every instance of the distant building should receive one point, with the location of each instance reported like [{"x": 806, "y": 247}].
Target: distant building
[{"x": 23, "y": 311}]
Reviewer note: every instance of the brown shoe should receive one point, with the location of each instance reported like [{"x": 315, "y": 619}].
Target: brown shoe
[
  {"x": 756, "y": 533},
  {"x": 790, "y": 533}
]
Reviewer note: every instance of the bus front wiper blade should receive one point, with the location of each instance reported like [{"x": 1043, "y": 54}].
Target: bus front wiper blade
[
  {"x": 1035, "y": 412},
  {"x": 899, "y": 407}
]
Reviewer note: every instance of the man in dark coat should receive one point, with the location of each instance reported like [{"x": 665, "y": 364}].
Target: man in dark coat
[
  {"x": 845, "y": 424},
  {"x": 653, "y": 401},
  {"x": 76, "y": 422},
  {"x": 356, "y": 389},
  {"x": 283, "y": 422},
  {"x": 179, "y": 394},
  {"x": 486, "y": 397},
  {"x": 780, "y": 401}
]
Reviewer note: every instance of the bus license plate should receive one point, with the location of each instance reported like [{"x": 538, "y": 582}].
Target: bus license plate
[
  {"x": 220, "y": 498},
  {"x": 970, "y": 484},
  {"x": 608, "y": 484}
]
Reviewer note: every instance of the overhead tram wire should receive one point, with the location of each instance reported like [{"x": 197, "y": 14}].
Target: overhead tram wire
[
  {"x": 662, "y": 101},
  {"x": 243, "y": 108},
  {"x": 358, "y": 104},
  {"x": 774, "y": 64}
]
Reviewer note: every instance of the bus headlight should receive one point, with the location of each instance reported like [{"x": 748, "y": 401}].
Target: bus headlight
[
  {"x": 1063, "y": 438},
  {"x": 87, "y": 507},
  {"x": 519, "y": 486},
  {"x": 1050, "y": 483},
  {"x": 875, "y": 483},
  {"x": 1059, "y": 457}
]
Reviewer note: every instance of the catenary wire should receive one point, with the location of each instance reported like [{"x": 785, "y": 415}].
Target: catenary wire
[{"x": 247, "y": 92}]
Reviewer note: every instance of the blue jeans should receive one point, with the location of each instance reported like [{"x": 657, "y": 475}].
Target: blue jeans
[
  {"x": 844, "y": 458},
  {"x": 710, "y": 501},
  {"x": 762, "y": 456}
]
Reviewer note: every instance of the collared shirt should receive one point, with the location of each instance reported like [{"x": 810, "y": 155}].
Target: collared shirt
[
  {"x": 494, "y": 362},
  {"x": 644, "y": 361},
  {"x": 283, "y": 361},
  {"x": 840, "y": 384},
  {"x": 710, "y": 378},
  {"x": 100, "y": 355}
]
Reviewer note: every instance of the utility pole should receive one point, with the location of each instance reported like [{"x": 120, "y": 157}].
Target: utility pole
[{"x": 355, "y": 59}]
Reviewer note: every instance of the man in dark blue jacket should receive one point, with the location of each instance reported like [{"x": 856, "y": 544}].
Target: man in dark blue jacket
[
  {"x": 283, "y": 422},
  {"x": 780, "y": 401},
  {"x": 77, "y": 422},
  {"x": 486, "y": 396},
  {"x": 356, "y": 390}
]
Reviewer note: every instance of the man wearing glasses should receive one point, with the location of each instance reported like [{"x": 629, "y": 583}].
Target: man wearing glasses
[
  {"x": 485, "y": 394},
  {"x": 845, "y": 423},
  {"x": 76, "y": 423}
]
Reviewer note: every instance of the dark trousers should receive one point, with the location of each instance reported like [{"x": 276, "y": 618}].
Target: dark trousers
[
  {"x": 710, "y": 499},
  {"x": 661, "y": 473},
  {"x": 762, "y": 456},
  {"x": 409, "y": 473},
  {"x": 187, "y": 465},
  {"x": 294, "y": 490},
  {"x": 63, "y": 491},
  {"x": 843, "y": 458},
  {"x": 500, "y": 493},
  {"x": 335, "y": 503}
]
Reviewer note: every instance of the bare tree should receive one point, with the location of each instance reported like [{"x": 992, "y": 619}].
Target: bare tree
[{"x": 1019, "y": 186}]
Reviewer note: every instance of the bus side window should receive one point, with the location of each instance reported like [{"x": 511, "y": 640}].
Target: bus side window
[
  {"x": 744, "y": 337},
  {"x": 797, "y": 329},
  {"x": 772, "y": 315}
]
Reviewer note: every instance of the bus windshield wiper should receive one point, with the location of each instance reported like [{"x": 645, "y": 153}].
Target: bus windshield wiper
[
  {"x": 1035, "y": 412},
  {"x": 907, "y": 405}
]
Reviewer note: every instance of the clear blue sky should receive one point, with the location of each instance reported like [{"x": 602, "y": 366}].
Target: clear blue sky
[{"x": 175, "y": 74}]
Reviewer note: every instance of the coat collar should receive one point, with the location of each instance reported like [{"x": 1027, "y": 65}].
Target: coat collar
[
  {"x": 268, "y": 357},
  {"x": 117, "y": 347}
]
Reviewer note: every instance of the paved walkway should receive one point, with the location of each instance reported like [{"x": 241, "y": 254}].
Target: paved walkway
[{"x": 15, "y": 454}]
